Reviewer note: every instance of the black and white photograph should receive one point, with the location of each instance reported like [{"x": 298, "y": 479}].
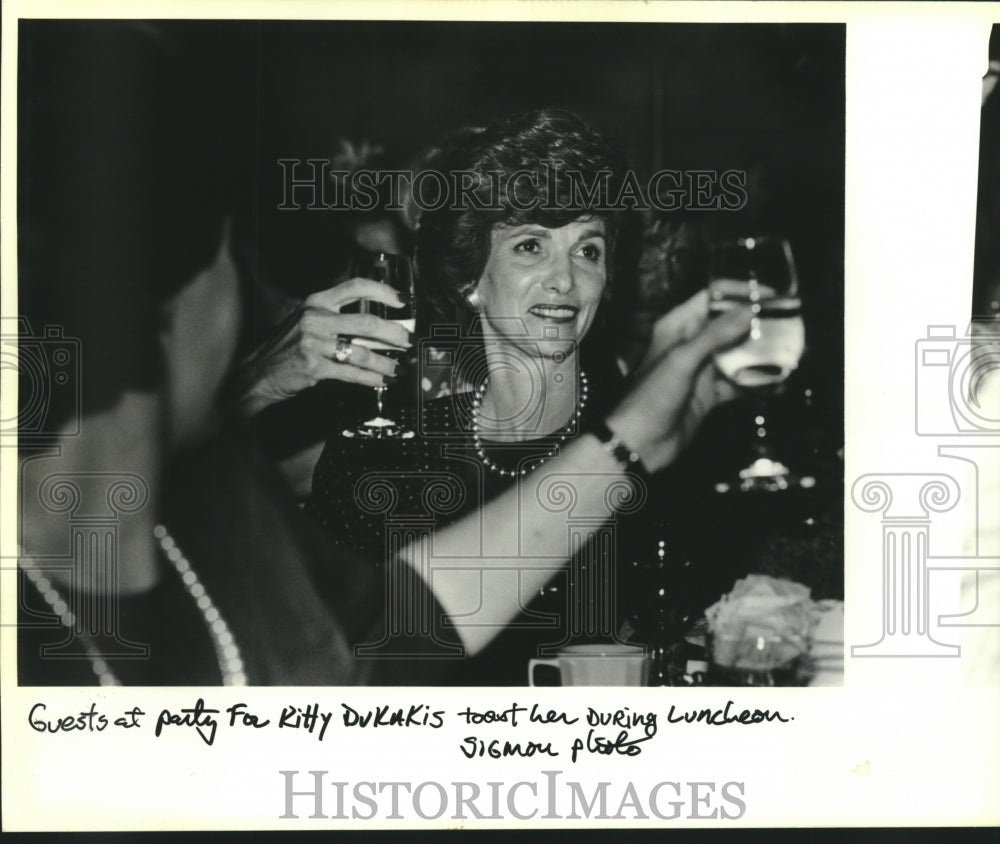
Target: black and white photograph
[
  {"x": 346, "y": 324},
  {"x": 410, "y": 372}
]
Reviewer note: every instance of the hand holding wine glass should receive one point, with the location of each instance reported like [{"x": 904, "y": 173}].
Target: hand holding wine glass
[
  {"x": 327, "y": 338},
  {"x": 395, "y": 274},
  {"x": 759, "y": 272}
]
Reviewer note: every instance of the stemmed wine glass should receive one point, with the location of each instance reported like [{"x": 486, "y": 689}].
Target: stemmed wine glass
[
  {"x": 759, "y": 272},
  {"x": 397, "y": 272}
]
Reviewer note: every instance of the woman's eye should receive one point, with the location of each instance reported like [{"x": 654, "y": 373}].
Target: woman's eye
[
  {"x": 527, "y": 247},
  {"x": 591, "y": 251}
]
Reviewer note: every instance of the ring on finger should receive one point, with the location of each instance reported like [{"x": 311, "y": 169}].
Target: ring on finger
[{"x": 344, "y": 350}]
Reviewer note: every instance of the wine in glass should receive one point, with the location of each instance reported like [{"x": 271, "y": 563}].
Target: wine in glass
[
  {"x": 759, "y": 273},
  {"x": 397, "y": 272}
]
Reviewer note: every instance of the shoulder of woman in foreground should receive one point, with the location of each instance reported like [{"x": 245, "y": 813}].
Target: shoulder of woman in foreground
[{"x": 256, "y": 551}]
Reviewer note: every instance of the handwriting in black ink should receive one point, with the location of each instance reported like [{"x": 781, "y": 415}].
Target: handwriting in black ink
[
  {"x": 419, "y": 715},
  {"x": 247, "y": 719},
  {"x": 721, "y": 717},
  {"x": 91, "y": 721},
  {"x": 130, "y": 718},
  {"x": 306, "y": 718},
  {"x": 198, "y": 717},
  {"x": 495, "y": 750},
  {"x": 621, "y": 745}
]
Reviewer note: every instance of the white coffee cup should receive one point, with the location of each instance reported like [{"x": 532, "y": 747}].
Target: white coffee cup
[{"x": 597, "y": 665}]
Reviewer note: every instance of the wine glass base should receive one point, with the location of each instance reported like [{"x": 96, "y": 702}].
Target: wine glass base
[
  {"x": 766, "y": 475},
  {"x": 378, "y": 429}
]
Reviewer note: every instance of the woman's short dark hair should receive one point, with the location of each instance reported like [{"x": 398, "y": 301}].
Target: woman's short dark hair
[{"x": 545, "y": 167}]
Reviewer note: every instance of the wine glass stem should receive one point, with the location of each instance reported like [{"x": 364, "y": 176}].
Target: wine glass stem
[
  {"x": 378, "y": 394},
  {"x": 760, "y": 424}
]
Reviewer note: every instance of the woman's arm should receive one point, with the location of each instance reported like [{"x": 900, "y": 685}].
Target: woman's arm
[{"x": 490, "y": 562}]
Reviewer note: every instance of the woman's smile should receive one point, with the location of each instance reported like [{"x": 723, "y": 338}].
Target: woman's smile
[{"x": 558, "y": 314}]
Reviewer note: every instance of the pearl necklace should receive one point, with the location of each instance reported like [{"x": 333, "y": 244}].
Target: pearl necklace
[
  {"x": 226, "y": 650},
  {"x": 56, "y": 603},
  {"x": 477, "y": 403}
]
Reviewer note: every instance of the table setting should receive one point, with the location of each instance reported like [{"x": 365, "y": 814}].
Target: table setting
[{"x": 765, "y": 632}]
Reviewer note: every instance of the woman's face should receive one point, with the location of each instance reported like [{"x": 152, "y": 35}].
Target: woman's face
[{"x": 541, "y": 287}]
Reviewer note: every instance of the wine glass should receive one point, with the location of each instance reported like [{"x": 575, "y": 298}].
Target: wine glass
[
  {"x": 397, "y": 272},
  {"x": 759, "y": 272}
]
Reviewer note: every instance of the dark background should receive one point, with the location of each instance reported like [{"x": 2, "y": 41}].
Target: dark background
[{"x": 765, "y": 99}]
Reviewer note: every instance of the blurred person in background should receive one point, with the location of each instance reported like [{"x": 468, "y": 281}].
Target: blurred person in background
[{"x": 128, "y": 235}]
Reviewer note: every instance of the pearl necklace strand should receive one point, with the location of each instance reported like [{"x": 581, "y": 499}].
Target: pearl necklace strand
[
  {"x": 226, "y": 650},
  {"x": 477, "y": 403},
  {"x": 56, "y": 603}
]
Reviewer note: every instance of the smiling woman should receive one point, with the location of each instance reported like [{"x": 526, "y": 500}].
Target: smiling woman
[
  {"x": 524, "y": 269},
  {"x": 462, "y": 507},
  {"x": 538, "y": 296},
  {"x": 550, "y": 277}
]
